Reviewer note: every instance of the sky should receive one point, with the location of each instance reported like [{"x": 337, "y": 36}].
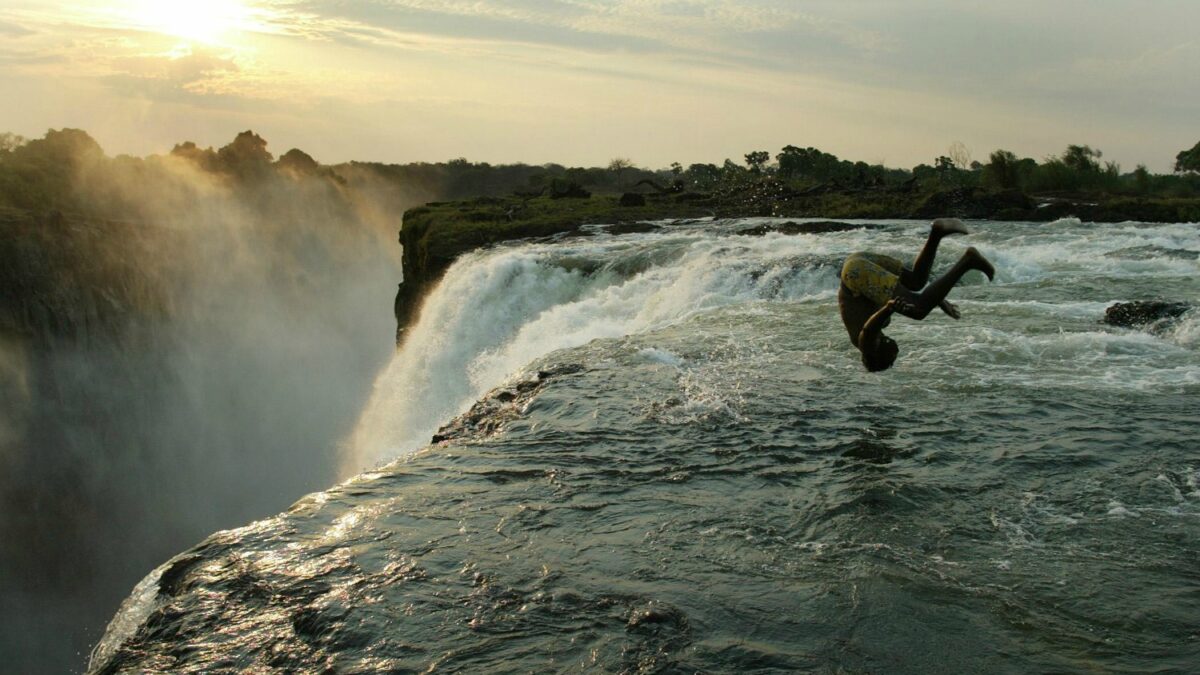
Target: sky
[{"x": 580, "y": 82}]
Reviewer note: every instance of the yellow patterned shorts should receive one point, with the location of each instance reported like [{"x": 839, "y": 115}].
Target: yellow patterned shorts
[{"x": 872, "y": 276}]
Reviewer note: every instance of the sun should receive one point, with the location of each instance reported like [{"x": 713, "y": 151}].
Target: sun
[{"x": 207, "y": 21}]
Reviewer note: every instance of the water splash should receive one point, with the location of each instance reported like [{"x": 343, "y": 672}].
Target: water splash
[{"x": 498, "y": 310}]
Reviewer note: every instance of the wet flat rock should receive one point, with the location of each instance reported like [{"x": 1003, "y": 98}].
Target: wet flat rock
[
  {"x": 790, "y": 227},
  {"x": 500, "y": 406},
  {"x": 632, "y": 228},
  {"x": 1152, "y": 314},
  {"x": 1151, "y": 252}
]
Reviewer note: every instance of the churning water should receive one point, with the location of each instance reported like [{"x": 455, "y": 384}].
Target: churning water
[{"x": 686, "y": 468}]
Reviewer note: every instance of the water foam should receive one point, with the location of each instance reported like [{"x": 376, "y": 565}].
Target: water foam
[
  {"x": 1076, "y": 249},
  {"x": 663, "y": 356},
  {"x": 1186, "y": 333},
  {"x": 1080, "y": 359},
  {"x": 498, "y": 310}
]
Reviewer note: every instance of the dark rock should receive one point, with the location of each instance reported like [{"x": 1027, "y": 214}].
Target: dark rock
[
  {"x": 633, "y": 199},
  {"x": 576, "y": 233},
  {"x": 560, "y": 370},
  {"x": 974, "y": 203},
  {"x": 1153, "y": 314},
  {"x": 1119, "y": 209},
  {"x": 314, "y": 622},
  {"x": 1151, "y": 252},
  {"x": 407, "y": 305},
  {"x": 632, "y": 228},
  {"x": 170, "y": 582},
  {"x": 642, "y": 617},
  {"x": 817, "y": 227},
  {"x": 1057, "y": 210},
  {"x": 1012, "y": 215},
  {"x": 500, "y": 406}
]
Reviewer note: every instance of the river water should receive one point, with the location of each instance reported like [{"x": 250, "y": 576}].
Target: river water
[{"x": 686, "y": 468}]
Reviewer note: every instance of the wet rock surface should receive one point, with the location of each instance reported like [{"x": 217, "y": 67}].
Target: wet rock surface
[
  {"x": 815, "y": 227},
  {"x": 1151, "y": 252},
  {"x": 500, "y": 406},
  {"x": 1154, "y": 315},
  {"x": 976, "y": 203},
  {"x": 633, "y": 228}
]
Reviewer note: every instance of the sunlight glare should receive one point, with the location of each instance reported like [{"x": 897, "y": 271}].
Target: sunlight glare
[{"x": 208, "y": 21}]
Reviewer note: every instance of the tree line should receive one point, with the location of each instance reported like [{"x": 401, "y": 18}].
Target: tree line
[
  {"x": 1079, "y": 168},
  {"x": 47, "y": 173}
]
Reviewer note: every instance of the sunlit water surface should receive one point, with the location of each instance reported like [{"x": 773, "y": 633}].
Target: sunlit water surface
[{"x": 721, "y": 487}]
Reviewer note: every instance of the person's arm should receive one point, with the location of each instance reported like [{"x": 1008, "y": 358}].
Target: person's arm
[{"x": 878, "y": 320}]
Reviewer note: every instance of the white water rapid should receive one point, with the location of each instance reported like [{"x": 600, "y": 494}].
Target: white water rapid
[{"x": 497, "y": 310}]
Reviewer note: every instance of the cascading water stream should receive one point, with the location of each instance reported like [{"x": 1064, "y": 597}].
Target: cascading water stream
[{"x": 498, "y": 310}]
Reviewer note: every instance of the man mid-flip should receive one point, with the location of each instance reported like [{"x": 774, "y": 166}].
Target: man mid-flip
[{"x": 876, "y": 286}]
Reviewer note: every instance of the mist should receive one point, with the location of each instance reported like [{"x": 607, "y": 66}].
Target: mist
[{"x": 185, "y": 347}]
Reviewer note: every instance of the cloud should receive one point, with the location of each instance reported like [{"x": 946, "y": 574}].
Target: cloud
[
  {"x": 914, "y": 76},
  {"x": 709, "y": 26},
  {"x": 1158, "y": 70},
  {"x": 9, "y": 29},
  {"x": 182, "y": 66},
  {"x": 17, "y": 59}
]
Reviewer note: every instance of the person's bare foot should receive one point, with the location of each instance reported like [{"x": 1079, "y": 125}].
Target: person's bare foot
[
  {"x": 945, "y": 226},
  {"x": 978, "y": 262},
  {"x": 950, "y": 309}
]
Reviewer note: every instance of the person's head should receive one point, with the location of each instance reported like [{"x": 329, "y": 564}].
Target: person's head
[{"x": 880, "y": 354}]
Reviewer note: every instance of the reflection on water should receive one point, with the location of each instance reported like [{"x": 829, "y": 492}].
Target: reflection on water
[{"x": 876, "y": 446}]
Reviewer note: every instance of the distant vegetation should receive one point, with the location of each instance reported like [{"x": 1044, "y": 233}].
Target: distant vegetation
[{"x": 67, "y": 170}]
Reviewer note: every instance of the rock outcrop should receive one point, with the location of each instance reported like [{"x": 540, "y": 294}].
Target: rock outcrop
[
  {"x": 500, "y": 406},
  {"x": 816, "y": 227},
  {"x": 977, "y": 203},
  {"x": 1151, "y": 252},
  {"x": 1153, "y": 315}
]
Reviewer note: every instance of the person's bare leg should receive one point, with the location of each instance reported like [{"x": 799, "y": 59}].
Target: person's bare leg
[
  {"x": 916, "y": 278},
  {"x": 919, "y": 305}
]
